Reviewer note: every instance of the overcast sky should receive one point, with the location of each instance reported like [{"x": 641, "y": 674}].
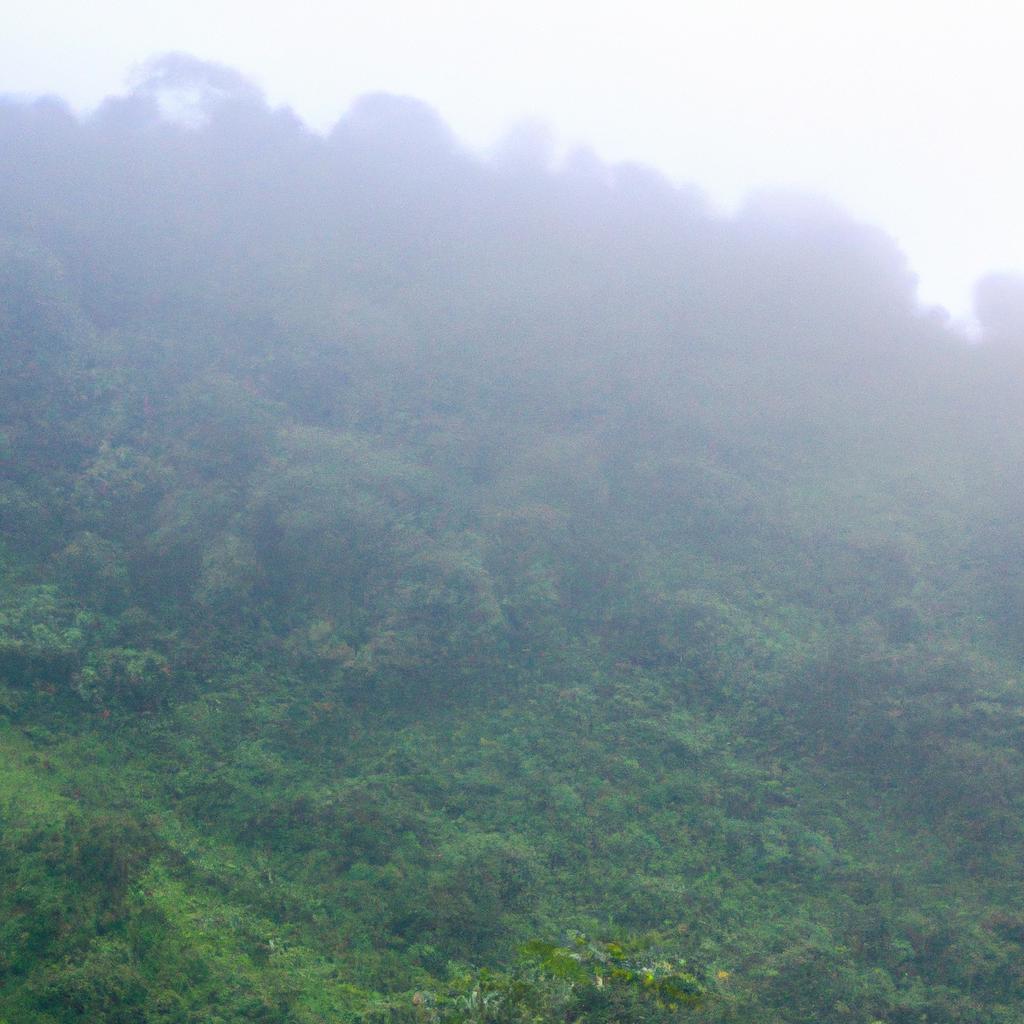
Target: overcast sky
[{"x": 908, "y": 113}]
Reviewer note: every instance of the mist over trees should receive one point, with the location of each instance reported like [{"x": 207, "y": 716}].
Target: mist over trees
[{"x": 409, "y": 558}]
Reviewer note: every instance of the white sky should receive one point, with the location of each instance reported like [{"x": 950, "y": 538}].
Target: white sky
[{"x": 911, "y": 114}]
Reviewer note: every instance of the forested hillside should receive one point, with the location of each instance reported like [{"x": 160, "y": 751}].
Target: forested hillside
[{"x": 421, "y": 574}]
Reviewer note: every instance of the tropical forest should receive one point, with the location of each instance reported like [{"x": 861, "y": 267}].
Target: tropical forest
[{"x": 444, "y": 588}]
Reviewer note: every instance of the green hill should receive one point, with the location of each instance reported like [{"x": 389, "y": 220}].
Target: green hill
[{"x": 408, "y": 557}]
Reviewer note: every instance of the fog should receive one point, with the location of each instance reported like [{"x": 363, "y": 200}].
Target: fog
[
  {"x": 445, "y": 583},
  {"x": 904, "y": 116}
]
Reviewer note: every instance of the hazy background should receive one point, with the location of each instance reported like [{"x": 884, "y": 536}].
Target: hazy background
[{"x": 906, "y": 113}]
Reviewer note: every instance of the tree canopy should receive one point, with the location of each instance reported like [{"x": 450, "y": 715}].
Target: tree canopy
[{"x": 422, "y": 573}]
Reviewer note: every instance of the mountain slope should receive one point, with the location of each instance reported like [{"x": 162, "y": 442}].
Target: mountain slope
[{"x": 407, "y": 556}]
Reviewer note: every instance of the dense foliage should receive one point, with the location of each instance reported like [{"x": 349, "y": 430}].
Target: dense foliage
[{"x": 410, "y": 562}]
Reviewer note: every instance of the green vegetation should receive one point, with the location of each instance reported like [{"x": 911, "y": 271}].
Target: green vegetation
[{"x": 434, "y": 591}]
